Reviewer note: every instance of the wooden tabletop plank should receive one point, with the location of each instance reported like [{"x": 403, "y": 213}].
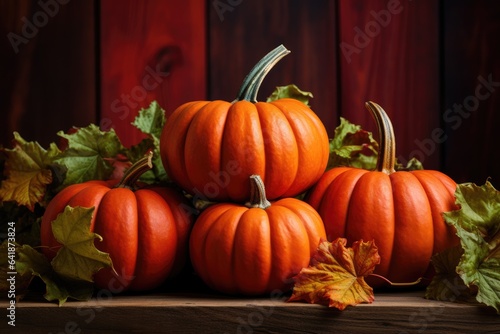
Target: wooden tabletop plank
[{"x": 398, "y": 313}]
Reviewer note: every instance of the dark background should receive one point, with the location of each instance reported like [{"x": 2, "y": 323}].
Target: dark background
[{"x": 69, "y": 63}]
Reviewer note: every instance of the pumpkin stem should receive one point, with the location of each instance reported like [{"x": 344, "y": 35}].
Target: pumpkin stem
[
  {"x": 257, "y": 194},
  {"x": 387, "y": 141},
  {"x": 135, "y": 171},
  {"x": 253, "y": 80}
]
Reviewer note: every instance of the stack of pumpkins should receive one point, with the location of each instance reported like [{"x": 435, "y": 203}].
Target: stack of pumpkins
[{"x": 240, "y": 155}]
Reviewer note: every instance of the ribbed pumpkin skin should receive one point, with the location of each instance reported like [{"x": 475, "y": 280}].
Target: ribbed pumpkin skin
[
  {"x": 400, "y": 211},
  {"x": 211, "y": 148},
  {"x": 145, "y": 232},
  {"x": 254, "y": 251}
]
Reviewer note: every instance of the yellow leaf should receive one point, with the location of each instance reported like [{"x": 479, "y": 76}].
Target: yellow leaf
[
  {"x": 78, "y": 258},
  {"x": 336, "y": 274},
  {"x": 27, "y": 172}
]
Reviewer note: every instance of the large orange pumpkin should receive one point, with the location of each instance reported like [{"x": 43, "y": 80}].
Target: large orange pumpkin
[
  {"x": 144, "y": 230},
  {"x": 400, "y": 210},
  {"x": 210, "y": 148},
  {"x": 256, "y": 248}
]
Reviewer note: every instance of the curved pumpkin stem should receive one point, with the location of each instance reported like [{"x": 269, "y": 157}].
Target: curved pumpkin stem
[
  {"x": 135, "y": 171},
  {"x": 253, "y": 80},
  {"x": 387, "y": 142},
  {"x": 257, "y": 194}
]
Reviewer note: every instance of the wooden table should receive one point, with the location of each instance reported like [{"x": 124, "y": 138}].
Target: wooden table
[{"x": 167, "y": 312}]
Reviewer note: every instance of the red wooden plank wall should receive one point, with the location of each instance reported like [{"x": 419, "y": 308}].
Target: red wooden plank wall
[
  {"x": 241, "y": 34},
  {"x": 389, "y": 57},
  {"x": 47, "y": 68},
  {"x": 471, "y": 101},
  {"x": 150, "y": 50},
  {"x": 418, "y": 59}
]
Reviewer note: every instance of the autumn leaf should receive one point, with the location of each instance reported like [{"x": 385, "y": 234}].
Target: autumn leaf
[
  {"x": 478, "y": 226},
  {"x": 8, "y": 259},
  {"x": 335, "y": 276},
  {"x": 27, "y": 171},
  {"x": 31, "y": 262},
  {"x": 78, "y": 258},
  {"x": 352, "y": 146},
  {"x": 69, "y": 274},
  {"x": 446, "y": 284},
  {"x": 90, "y": 154},
  {"x": 150, "y": 121},
  {"x": 292, "y": 92},
  {"x": 412, "y": 164}
]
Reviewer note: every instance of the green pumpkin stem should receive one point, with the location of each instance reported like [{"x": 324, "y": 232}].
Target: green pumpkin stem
[
  {"x": 253, "y": 80},
  {"x": 257, "y": 194},
  {"x": 387, "y": 141},
  {"x": 135, "y": 171}
]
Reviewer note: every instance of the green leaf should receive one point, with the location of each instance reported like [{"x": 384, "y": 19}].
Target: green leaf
[
  {"x": 479, "y": 209},
  {"x": 353, "y": 147},
  {"x": 8, "y": 260},
  {"x": 290, "y": 91},
  {"x": 150, "y": 121},
  {"x": 447, "y": 285},
  {"x": 90, "y": 154},
  {"x": 478, "y": 226},
  {"x": 57, "y": 288},
  {"x": 413, "y": 164},
  {"x": 27, "y": 172},
  {"x": 78, "y": 258},
  {"x": 27, "y": 223}
]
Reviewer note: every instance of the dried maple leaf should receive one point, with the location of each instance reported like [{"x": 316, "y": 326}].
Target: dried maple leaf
[
  {"x": 335, "y": 276},
  {"x": 27, "y": 172}
]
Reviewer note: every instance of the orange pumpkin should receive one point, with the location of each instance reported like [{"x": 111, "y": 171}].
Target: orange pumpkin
[
  {"x": 401, "y": 210},
  {"x": 210, "y": 148},
  {"x": 256, "y": 248},
  {"x": 145, "y": 230}
]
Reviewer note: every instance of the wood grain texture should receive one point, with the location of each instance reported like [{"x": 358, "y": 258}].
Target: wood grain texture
[
  {"x": 390, "y": 56},
  {"x": 471, "y": 109},
  {"x": 240, "y": 35},
  {"x": 184, "y": 313},
  {"x": 47, "y": 76},
  {"x": 150, "y": 50}
]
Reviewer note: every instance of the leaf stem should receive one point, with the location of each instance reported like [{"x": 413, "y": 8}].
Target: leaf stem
[{"x": 397, "y": 284}]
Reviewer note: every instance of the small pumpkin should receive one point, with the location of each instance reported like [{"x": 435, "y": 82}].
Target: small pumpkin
[
  {"x": 144, "y": 230},
  {"x": 255, "y": 248},
  {"x": 400, "y": 211},
  {"x": 210, "y": 148}
]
